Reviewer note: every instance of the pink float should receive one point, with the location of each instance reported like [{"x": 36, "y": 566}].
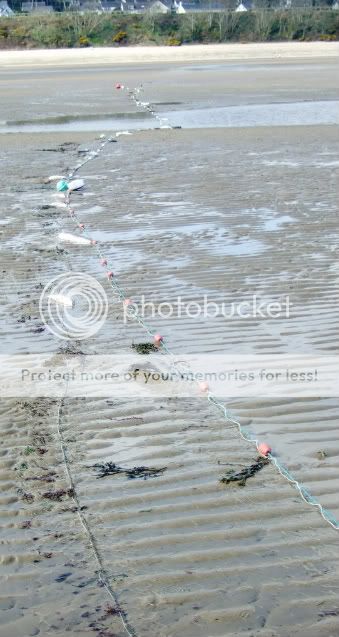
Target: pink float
[
  {"x": 264, "y": 449},
  {"x": 203, "y": 386}
]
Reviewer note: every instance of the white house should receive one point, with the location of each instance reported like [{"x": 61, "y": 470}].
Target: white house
[
  {"x": 178, "y": 7},
  {"x": 158, "y": 7},
  {"x": 5, "y": 10},
  {"x": 244, "y": 5}
]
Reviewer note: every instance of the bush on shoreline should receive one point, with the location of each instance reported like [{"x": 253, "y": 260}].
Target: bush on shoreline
[{"x": 69, "y": 30}]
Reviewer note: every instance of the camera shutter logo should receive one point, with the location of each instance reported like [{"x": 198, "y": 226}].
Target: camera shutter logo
[{"x": 73, "y": 305}]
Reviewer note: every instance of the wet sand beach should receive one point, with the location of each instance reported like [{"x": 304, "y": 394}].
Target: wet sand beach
[{"x": 225, "y": 206}]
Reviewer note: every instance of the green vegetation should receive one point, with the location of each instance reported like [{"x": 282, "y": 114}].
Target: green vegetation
[
  {"x": 28, "y": 451},
  {"x": 120, "y": 38},
  {"x": 64, "y": 30}
]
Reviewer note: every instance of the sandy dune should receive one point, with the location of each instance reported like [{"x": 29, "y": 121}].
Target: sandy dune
[{"x": 148, "y": 54}]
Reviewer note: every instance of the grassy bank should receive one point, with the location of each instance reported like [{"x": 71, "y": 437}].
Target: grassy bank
[{"x": 62, "y": 30}]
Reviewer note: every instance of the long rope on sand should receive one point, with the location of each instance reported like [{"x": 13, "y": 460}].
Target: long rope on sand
[
  {"x": 180, "y": 368},
  {"x": 102, "y": 577}
]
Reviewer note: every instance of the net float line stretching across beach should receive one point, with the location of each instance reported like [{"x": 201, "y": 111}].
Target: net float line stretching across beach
[
  {"x": 119, "y": 293},
  {"x": 262, "y": 447}
]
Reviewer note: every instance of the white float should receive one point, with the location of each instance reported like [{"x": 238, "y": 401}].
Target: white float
[
  {"x": 62, "y": 299},
  {"x": 76, "y": 184},
  {"x": 55, "y": 178},
  {"x": 59, "y": 204},
  {"x": 73, "y": 238}
]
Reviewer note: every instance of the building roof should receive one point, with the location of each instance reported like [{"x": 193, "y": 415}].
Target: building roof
[
  {"x": 244, "y": 5},
  {"x": 158, "y": 7},
  {"x": 205, "y": 6},
  {"x": 36, "y": 7}
]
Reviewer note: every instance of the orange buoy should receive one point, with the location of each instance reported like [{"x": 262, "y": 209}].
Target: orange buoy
[{"x": 158, "y": 339}]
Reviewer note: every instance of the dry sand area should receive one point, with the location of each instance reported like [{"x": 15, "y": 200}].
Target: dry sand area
[
  {"x": 228, "y": 212},
  {"x": 151, "y": 54}
]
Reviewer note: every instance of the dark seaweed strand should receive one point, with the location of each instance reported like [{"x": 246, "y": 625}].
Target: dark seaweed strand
[
  {"x": 112, "y": 469},
  {"x": 248, "y": 472}
]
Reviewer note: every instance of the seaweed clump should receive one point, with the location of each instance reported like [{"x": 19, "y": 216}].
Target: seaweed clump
[
  {"x": 58, "y": 494},
  {"x": 145, "y": 348},
  {"x": 248, "y": 472},
  {"x": 112, "y": 469}
]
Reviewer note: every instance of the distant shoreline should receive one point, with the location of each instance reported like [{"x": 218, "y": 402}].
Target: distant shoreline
[{"x": 165, "y": 54}]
